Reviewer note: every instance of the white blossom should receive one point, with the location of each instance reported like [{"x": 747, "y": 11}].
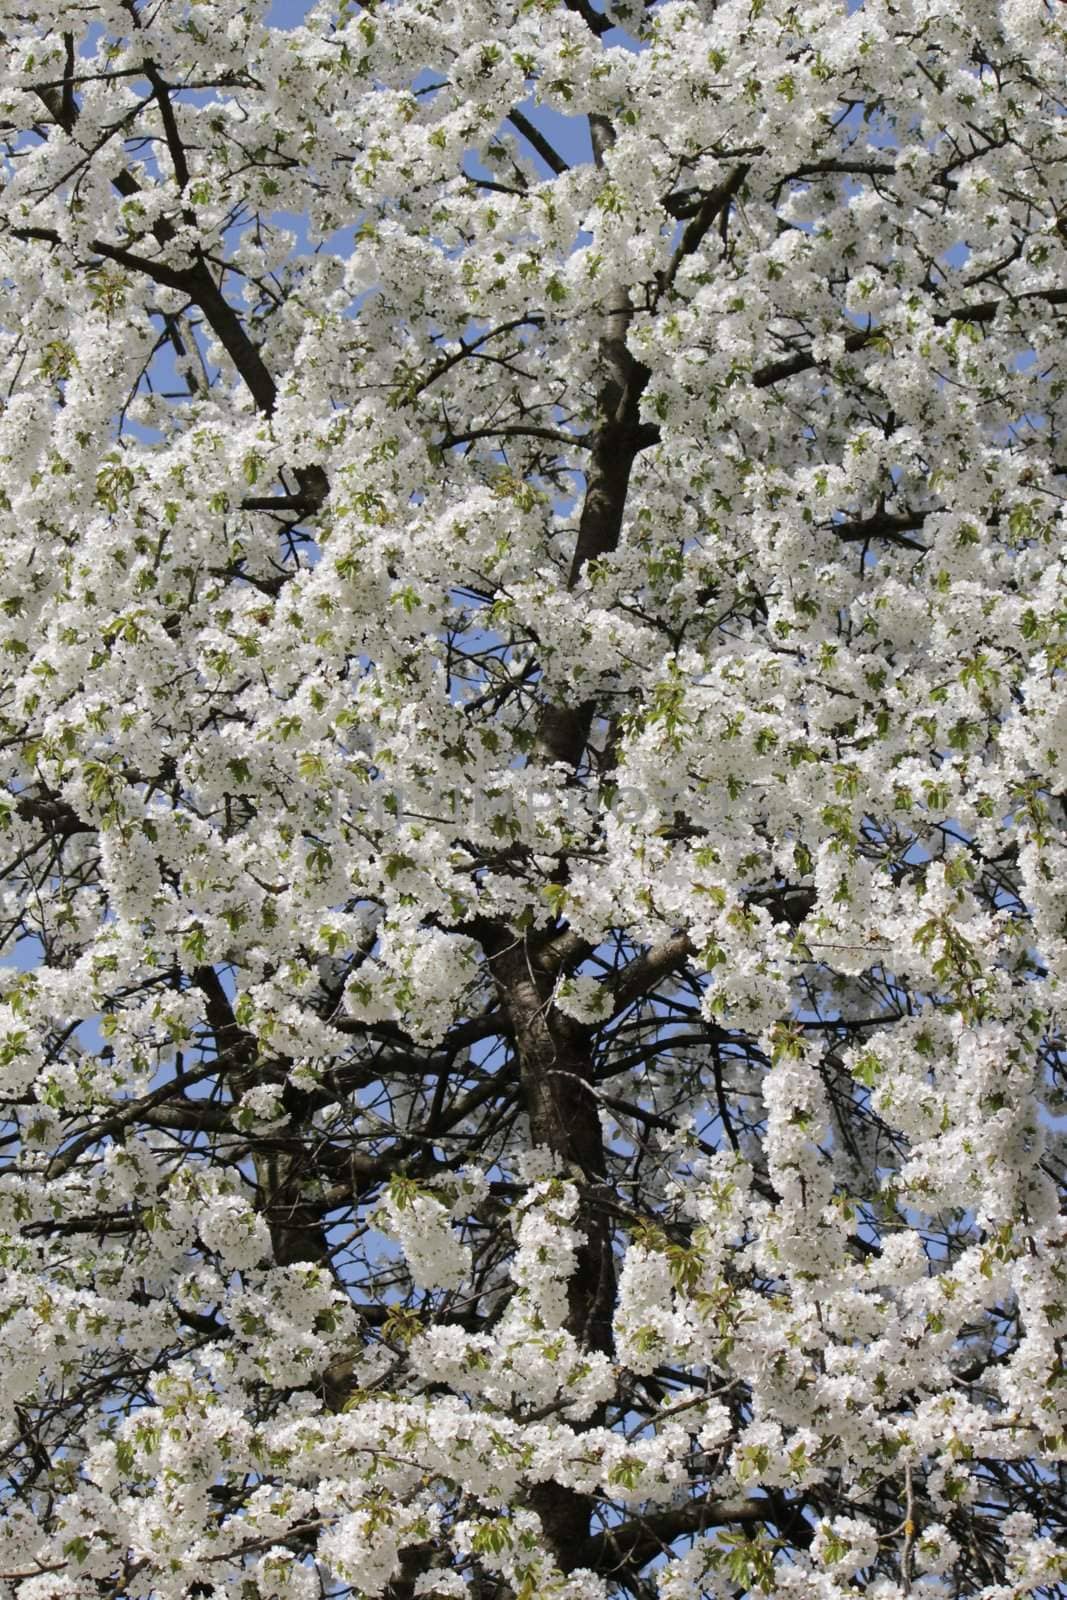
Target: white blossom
[{"x": 533, "y": 874}]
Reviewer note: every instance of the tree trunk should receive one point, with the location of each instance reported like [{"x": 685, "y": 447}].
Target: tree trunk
[{"x": 555, "y": 1072}]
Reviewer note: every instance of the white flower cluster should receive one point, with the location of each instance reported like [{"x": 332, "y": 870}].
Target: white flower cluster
[{"x": 422, "y": 1226}]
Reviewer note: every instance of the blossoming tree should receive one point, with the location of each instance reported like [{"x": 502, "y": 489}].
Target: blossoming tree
[{"x": 533, "y": 829}]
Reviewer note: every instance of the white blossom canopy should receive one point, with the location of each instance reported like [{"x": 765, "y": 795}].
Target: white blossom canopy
[{"x": 534, "y": 871}]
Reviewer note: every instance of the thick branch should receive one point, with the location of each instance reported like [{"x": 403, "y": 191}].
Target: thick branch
[
  {"x": 195, "y": 281},
  {"x": 123, "y": 1117},
  {"x": 802, "y": 361},
  {"x": 713, "y": 205},
  {"x": 158, "y": 271},
  {"x": 58, "y": 816},
  {"x": 593, "y": 20},
  {"x": 984, "y": 311},
  {"x": 516, "y": 430},
  {"x": 533, "y": 136},
  {"x": 882, "y": 525},
  {"x": 646, "y": 970},
  {"x": 563, "y": 730},
  {"x": 634, "y": 1543},
  {"x": 170, "y": 127}
]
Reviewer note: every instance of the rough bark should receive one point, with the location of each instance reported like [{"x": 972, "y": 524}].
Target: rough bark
[{"x": 555, "y": 1070}]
